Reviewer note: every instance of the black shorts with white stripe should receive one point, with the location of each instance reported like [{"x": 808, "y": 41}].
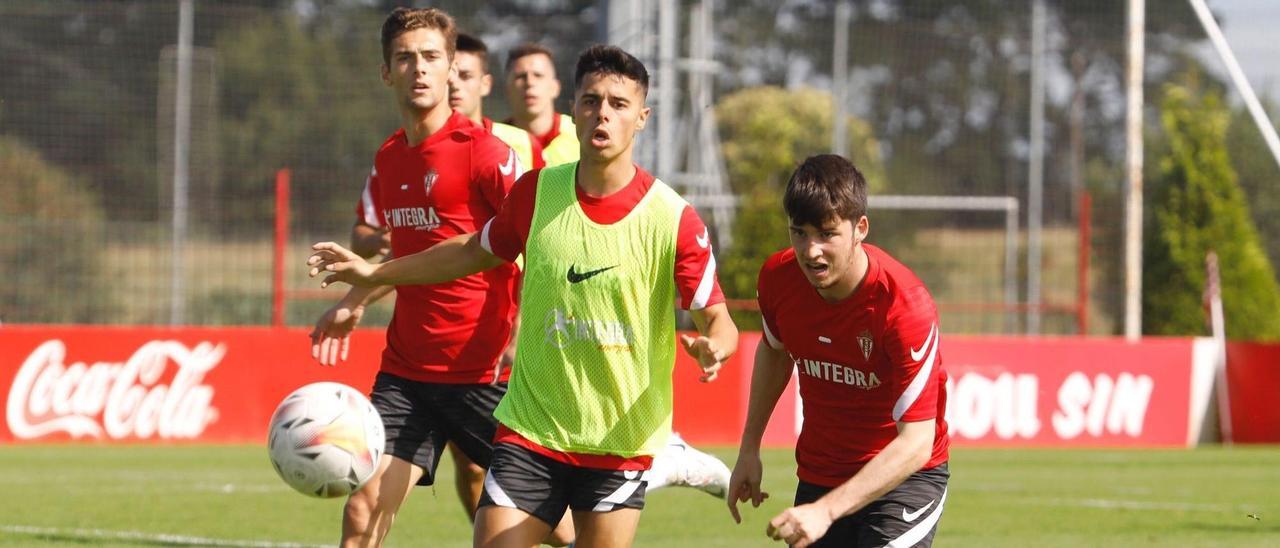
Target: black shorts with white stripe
[
  {"x": 544, "y": 487},
  {"x": 906, "y": 516}
]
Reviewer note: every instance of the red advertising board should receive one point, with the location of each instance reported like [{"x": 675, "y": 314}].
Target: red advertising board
[
  {"x": 221, "y": 385},
  {"x": 1253, "y": 375},
  {"x": 1068, "y": 391}
]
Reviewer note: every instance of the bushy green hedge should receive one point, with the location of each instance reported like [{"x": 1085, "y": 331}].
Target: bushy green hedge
[
  {"x": 1196, "y": 206},
  {"x": 51, "y": 242}
]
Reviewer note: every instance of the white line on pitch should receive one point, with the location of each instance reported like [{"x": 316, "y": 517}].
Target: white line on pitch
[
  {"x": 148, "y": 537},
  {"x": 1136, "y": 504}
]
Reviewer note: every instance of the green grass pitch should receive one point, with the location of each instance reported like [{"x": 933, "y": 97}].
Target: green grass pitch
[{"x": 69, "y": 495}]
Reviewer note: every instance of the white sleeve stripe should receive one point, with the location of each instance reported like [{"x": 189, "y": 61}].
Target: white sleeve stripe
[
  {"x": 923, "y": 376},
  {"x": 704, "y": 287},
  {"x": 769, "y": 336},
  {"x": 484, "y": 237},
  {"x": 366, "y": 198}
]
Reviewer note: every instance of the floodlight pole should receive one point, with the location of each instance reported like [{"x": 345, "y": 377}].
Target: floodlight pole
[
  {"x": 840, "y": 78},
  {"x": 1035, "y": 176},
  {"x": 181, "y": 159},
  {"x": 1133, "y": 166}
]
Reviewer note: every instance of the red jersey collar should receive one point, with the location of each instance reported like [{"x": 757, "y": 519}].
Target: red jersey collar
[{"x": 456, "y": 121}]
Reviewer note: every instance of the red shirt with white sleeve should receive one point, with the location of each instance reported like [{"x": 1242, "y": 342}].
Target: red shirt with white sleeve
[
  {"x": 865, "y": 363},
  {"x": 452, "y": 183}
]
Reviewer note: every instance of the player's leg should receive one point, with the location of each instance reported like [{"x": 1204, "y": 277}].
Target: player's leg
[
  {"x": 412, "y": 452},
  {"x": 909, "y": 514},
  {"x": 369, "y": 512},
  {"x": 525, "y": 494},
  {"x": 680, "y": 464},
  {"x": 468, "y": 478},
  {"x": 606, "y": 506},
  {"x": 502, "y": 527},
  {"x": 615, "y": 529}
]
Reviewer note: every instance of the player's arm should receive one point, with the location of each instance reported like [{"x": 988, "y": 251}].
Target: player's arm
[
  {"x": 769, "y": 377},
  {"x": 802, "y": 525},
  {"x": 370, "y": 241},
  {"x": 717, "y": 340},
  {"x": 459, "y": 256}
]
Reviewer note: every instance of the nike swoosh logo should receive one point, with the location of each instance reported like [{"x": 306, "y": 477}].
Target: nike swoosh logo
[
  {"x": 911, "y": 516},
  {"x": 917, "y": 354},
  {"x": 704, "y": 239},
  {"x": 510, "y": 166},
  {"x": 575, "y": 276}
]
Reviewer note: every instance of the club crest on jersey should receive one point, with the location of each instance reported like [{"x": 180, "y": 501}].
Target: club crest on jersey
[
  {"x": 429, "y": 181},
  {"x": 864, "y": 342}
]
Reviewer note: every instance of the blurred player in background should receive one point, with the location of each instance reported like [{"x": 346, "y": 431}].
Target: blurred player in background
[
  {"x": 863, "y": 332},
  {"x": 470, "y": 84},
  {"x": 532, "y": 89},
  {"x": 440, "y": 378},
  {"x": 608, "y": 248}
]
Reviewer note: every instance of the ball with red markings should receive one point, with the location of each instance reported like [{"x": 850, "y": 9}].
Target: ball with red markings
[{"x": 325, "y": 440}]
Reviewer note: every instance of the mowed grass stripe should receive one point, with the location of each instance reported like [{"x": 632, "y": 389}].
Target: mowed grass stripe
[{"x": 998, "y": 497}]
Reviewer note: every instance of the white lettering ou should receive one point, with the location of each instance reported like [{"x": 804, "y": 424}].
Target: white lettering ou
[
  {"x": 1007, "y": 405},
  {"x": 47, "y": 396},
  {"x": 1102, "y": 406}
]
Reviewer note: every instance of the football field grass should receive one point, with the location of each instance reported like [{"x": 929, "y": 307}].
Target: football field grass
[{"x": 77, "y": 495}]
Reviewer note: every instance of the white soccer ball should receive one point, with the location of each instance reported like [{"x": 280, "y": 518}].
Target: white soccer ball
[{"x": 325, "y": 440}]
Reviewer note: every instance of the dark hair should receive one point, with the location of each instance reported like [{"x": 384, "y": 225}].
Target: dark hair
[
  {"x": 467, "y": 43},
  {"x": 602, "y": 59},
  {"x": 525, "y": 50},
  {"x": 402, "y": 20},
  {"x": 825, "y": 187}
]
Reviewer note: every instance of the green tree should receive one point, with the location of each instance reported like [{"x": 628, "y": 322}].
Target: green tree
[
  {"x": 50, "y": 242},
  {"x": 306, "y": 98},
  {"x": 1258, "y": 173},
  {"x": 1197, "y": 207},
  {"x": 767, "y": 131}
]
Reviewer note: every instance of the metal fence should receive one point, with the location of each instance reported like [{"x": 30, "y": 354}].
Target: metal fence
[{"x": 929, "y": 97}]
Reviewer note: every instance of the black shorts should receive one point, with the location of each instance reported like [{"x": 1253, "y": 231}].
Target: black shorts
[
  {"x": 544, "y": 487},
  {"x": 421, "y": 417},
  {"x": 906, "y": 516}
]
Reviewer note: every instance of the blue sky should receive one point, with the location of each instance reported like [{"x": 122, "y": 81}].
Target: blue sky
[{"x": 1252, "y": 28}]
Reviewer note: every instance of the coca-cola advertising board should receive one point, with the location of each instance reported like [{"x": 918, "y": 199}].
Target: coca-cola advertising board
[{"x": 155, "y": 384}]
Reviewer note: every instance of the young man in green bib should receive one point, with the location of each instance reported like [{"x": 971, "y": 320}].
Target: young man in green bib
[{"x": 607, "y": 249}]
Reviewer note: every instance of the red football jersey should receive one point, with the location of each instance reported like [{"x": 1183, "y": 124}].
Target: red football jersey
[
  {"x": 865, "y": 362},
  {"x": 450, "y": 184},
  {"x": 696, "y": 281}
]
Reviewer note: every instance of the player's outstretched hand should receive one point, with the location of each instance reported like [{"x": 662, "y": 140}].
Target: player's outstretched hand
[
  {"x": 331, "y": 337},
  {"x": 800, "y": 526},
  {"x": 341, "y": 263},
  {"x": 744, "y": 483},
  {"x": 709, "y": 355}
]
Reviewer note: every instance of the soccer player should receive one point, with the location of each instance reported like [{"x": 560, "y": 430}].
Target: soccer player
[
  {"x": 607, "y": 249},
  {"x": 863, "y": 332},
  {"x": 532, "y": 88},
  {"x": 470, "y": 84},
  {"x": 439, "y": 176}
]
